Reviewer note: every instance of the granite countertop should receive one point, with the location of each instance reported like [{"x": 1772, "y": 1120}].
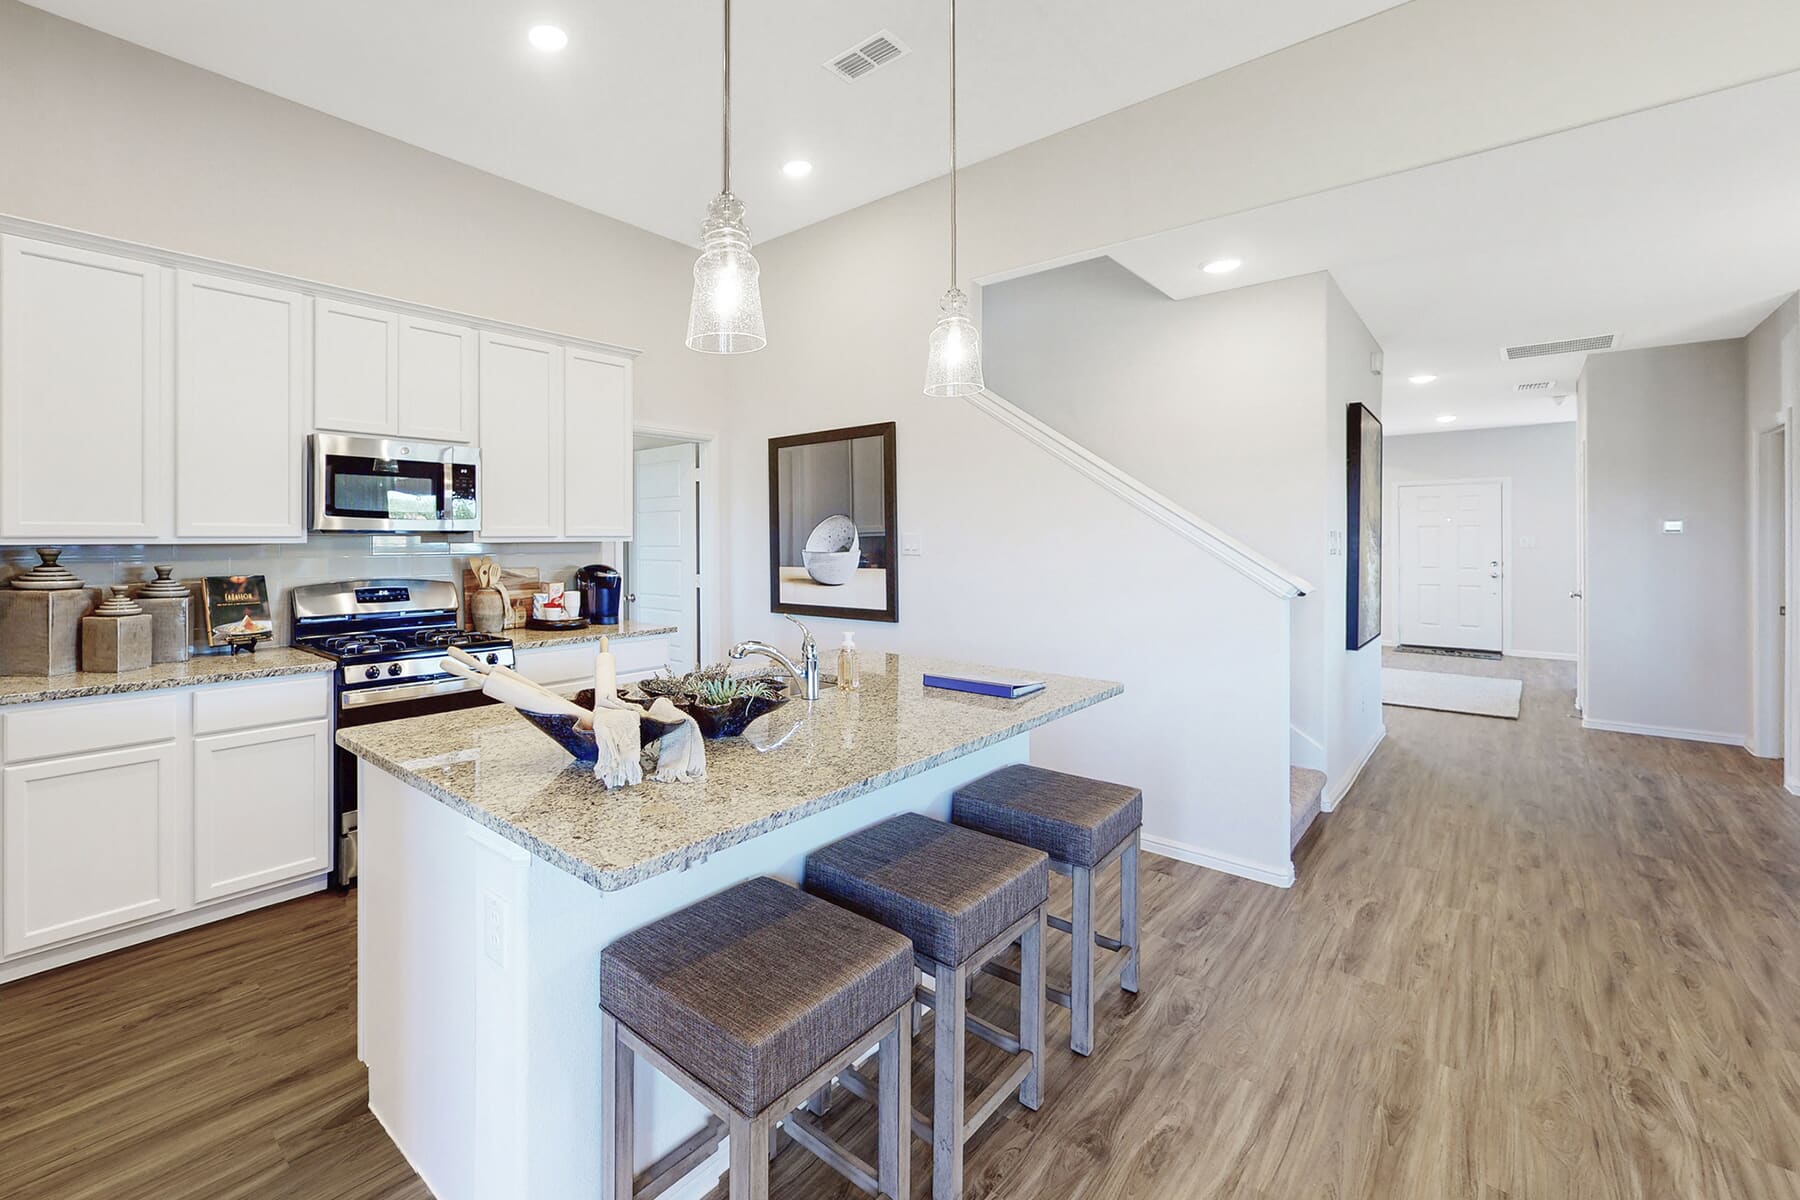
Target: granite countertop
[
  {"x": 267, "y": 663},
  {"x": 494, "y": 767},
  {"x": 526, "y": 639}
]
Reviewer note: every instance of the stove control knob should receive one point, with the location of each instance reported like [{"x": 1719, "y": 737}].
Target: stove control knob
[
  {"x": 393, "y": 668},
  {"x": 493, "y": 659},
  {"x": 372, "y": 673}
]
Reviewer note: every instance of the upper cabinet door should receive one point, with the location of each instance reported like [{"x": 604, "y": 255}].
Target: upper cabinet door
[
  {"x": 83, "y": 414},
  {"x": 356, "y": 368},
  {"x": 437, "y": 380},
  {"x": 597, "y": 445},
  {"x": 521, "y": 438},
  {"x": 240, "y": 410}
]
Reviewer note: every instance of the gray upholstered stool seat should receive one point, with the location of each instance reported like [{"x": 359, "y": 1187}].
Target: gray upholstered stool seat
[
  {"x": 1074, "y": 820},
  {"x": 950, "y": 890},
  {"x": 962, "y": 897},
  {"x": 743, "y": 998},
  {"x": 1083, "y": 825}
]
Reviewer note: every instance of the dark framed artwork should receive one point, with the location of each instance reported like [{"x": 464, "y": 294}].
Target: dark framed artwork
[
  {"x": 1362, "y": 607},
  {"x": 833, "y": 536}
]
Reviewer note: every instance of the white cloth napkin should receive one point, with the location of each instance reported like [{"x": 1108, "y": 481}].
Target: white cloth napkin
[
  {"x": 616, "y": 729},
  {"x": 681, "y": 755}
]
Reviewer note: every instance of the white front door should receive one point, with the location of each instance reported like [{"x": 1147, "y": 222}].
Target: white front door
[
  {"x": 1452, "y": 565},
  {"x": 665, "y": 562}
]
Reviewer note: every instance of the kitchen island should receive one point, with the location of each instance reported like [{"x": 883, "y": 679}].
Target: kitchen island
[{"x": 494, "y": 869}]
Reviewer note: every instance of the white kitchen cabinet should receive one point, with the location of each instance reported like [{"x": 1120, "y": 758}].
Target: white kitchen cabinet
[
  {"x": 88, "y": 843},
  {"x": 597, "y": 446},
  {"x": 84, "y": 437},
  {"x": 438, "y": 381},
  {"x": 356, "y": 368},
  {"x": 521, "y": 439},
  {"x": 262, "y": 802},
  {"x": 240, "y": 410}
]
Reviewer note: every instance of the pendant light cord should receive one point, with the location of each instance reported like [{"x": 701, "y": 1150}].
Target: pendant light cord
[
  {"x": 952, "y": 141},
  {"x": 725, "y": 152}
]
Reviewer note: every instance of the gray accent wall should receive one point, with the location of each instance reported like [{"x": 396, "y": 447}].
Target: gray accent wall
[
  {"x": 1667, "y": 642},
  {"x": 1539, "y": 463}
]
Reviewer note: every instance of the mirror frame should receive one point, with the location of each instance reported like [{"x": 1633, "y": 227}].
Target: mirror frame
[{"x": 889, "y": 459}]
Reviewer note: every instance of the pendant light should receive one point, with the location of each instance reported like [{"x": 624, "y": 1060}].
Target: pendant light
[
  {"x": 725, "y": 316},
  {"x": 953, "y": 361}
]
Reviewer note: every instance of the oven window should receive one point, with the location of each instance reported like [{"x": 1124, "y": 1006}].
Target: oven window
[{"x": 363, "y": 487}]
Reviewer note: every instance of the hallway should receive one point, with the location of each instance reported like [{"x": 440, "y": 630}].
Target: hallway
[{"x": 1522, "y": 961}]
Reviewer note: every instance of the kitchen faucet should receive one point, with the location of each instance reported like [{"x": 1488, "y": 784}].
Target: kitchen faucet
[{"x": 806, "y": 674}]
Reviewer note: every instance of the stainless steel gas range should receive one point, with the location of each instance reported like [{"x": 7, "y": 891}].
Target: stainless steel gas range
[{"x": 387, "y": 637}]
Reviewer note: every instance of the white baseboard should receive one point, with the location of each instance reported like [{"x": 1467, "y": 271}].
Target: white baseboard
[
  {"x": 1243, "y": 868},
  {"x": 1552, "y": 655},
  {"x": 106, "y": 943},
  {"x": 1664, "y": 731},
  {"x": 1793, "y": 787},
  {"x": 1335, "y": 793}
]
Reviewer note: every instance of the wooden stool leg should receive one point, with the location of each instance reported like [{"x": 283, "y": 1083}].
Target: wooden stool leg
[
  {"x": 1128, "y": 913},
  {"x": 1081, "y": 962},
  {"x": 947, "y": 1103},
  {"x": 819, "y": 1103},
  {"x": 750, "y": 1157},
  {"x": 1031, "y": 1011},
  {"x": 894, "y": 1113},
  {"x": 618, "y": 1066}
]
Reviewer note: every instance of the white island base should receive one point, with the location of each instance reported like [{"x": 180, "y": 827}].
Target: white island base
[{"x": 478, "y": 984}]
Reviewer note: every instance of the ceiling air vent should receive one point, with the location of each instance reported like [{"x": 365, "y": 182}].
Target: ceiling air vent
[
  {"x": 1571, "y": 346},
  {"x": 1536, "y": 388},
  {"x": 862, "y": 58}
]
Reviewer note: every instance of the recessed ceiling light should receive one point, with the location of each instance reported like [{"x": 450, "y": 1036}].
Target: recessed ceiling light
[
  {"x": 1422, "y": 379},
  {"x": 1446, "y": 419},
  {"x": 548, "y": 38},
  {"x": 799, "y": 168},
  {"x": 1222, "y": 266}
]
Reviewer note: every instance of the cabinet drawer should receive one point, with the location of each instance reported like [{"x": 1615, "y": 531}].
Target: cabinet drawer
[
  {"x": 78, "y": 727},
  {"x": 252, "y": 705}
]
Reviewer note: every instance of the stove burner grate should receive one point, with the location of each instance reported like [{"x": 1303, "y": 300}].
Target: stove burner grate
[{"x": 351, "y": 644}]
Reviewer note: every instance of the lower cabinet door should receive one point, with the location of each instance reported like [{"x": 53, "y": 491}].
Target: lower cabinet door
[
  {"x": 262, "y": 808},
  {"x": 87, "y": 843}
]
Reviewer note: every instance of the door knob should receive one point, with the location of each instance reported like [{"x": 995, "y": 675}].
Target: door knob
[
  {"x": 1574, "y": 595},
  {"x": 631, "y": 596}
]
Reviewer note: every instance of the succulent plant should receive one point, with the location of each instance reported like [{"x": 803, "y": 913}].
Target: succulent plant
[
  {"x": 670, "y": 685},
  {"x": 716, "y": 690}
]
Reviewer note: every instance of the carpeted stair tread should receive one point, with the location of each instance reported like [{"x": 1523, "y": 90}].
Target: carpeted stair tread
[{"x": 1306, "y": 787}]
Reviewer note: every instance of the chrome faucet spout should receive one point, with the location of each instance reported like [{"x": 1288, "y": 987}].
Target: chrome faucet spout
[{"x": 806, "y": 673}]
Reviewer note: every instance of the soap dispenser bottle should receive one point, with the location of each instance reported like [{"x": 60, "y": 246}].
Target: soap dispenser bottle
[{"x": 849, "y": 667}]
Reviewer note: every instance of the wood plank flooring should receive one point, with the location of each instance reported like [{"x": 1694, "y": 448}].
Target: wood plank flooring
[{"x": 1522, "y": 960}]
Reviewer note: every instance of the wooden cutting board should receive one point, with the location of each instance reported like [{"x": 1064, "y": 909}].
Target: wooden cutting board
[{"x": 519, "y": 582}]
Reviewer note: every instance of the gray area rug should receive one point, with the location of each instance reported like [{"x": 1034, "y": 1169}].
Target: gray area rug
[{"x": 1474, "y": 694}]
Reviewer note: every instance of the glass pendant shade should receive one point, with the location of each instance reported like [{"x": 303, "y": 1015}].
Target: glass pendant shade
[
  {"x": 953, "y": 361},
  {"x": 726, "y": 315}
]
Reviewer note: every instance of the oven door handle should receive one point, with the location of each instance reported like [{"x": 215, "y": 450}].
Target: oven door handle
[{"x": 406, "y": 691}]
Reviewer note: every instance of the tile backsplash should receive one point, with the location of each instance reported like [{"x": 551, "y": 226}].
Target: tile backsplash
[{"x": 323, "y": 558}]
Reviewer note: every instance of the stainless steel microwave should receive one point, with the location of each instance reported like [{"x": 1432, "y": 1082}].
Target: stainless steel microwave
[{"x": 386, "y": 485}]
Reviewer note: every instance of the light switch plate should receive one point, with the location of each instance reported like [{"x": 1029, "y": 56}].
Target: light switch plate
[
  {"x": 493, "y": 928},
  {"x": 1674, "y": 526},
  {"x": 911, "y": 545},
  {"x": 1527, "y": 542}
]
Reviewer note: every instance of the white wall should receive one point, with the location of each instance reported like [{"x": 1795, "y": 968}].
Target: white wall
[
  {"x": 1770, "y": 354},
  {"x": 1216, "y": 402},
  {"x": 1539, "y": 463},
  {"x": 1667, "y": 642},
  {"x": 1353, "y": 721}
]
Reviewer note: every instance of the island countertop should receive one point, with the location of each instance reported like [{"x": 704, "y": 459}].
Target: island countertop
[{"x": 497, "y": 769}]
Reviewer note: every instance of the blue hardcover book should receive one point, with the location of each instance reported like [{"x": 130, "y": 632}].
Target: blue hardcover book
[{"x": 985, "y": 687}]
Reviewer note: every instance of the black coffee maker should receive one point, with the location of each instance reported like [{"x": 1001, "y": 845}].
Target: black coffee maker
[{"x": 599, "y": 586}]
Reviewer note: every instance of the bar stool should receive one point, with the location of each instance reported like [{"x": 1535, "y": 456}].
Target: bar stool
[
  {"x": 1084, "y": 825},
  {"x": 962, "y": 898},
  {"x": 750, "y": 1001}
]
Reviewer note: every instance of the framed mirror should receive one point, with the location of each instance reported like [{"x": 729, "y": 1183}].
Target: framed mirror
[{"x": 833, "y": 536}]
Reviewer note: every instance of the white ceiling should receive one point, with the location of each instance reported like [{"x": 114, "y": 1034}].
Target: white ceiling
[
  {"x": 625, "y": 121},
  {"x": 1674, "y": 225}
]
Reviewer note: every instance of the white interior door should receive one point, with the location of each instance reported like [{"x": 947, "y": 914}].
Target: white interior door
[
  {"x": 1452, "y": 565},
  {"x": 664, "y": 564}
]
